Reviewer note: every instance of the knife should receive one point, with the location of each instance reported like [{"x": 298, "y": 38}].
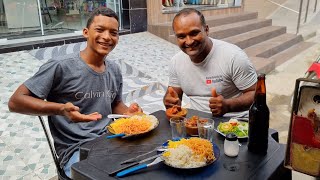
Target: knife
[
  {"x": 141, "y": 166},
  {"x": 133, "y": 164},
  {"x": 163, "y": 147},
  {"x": 219, "y": 132}
]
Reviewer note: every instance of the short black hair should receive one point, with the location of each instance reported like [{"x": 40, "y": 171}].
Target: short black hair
[
  {"x": 104, "y": 11},
  {"x": 187, "y": 11}
]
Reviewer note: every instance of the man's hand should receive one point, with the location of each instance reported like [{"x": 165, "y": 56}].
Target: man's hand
[
  {"x": 133, "y": 109},
  {"x": 217, "y": 104},
  {"x": 72, "y": 112},
  {"x": 171, "y": 98}
]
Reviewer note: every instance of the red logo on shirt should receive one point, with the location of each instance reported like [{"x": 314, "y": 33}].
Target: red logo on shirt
[{"x": 208, "y": 81}]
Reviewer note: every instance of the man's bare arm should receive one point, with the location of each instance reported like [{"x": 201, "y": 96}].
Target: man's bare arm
[
  {"x": 219, "y": 106},
  {"x": 23, "y": 101},
  {"x": 119, "y": 108},
  {"x": 242, "y": 102}
]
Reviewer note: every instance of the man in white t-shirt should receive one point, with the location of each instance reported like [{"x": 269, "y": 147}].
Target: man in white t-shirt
[{"x": 217, "y": 76}]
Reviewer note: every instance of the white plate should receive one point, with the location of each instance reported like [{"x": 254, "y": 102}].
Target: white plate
[
  {"x": 217, "y": 130},
  {"x": 216, "y": 152},
  {"x": 155, "y": 123}
]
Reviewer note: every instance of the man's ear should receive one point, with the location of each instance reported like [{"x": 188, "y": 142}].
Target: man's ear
[
  {"x": 85, "y": 32},
  {"x": 207, "y": 30}
]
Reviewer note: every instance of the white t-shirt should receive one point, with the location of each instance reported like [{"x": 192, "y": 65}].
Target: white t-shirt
[{"x": 227, "y": 68}]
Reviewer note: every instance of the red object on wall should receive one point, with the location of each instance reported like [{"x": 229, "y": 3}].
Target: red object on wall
[
  {"x": 303, "y": 133},
  {"x": 315, "y": 67}
]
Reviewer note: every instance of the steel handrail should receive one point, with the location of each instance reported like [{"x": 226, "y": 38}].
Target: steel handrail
[
  {"x": 298, "y": 12},
  {"x": 283, "y": 6}
]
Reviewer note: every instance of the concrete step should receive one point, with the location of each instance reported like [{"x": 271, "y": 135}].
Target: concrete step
[
  {"x": 218, "y": 20},
  {"x": 163, "y": 30},
  {"x": 263, "y": 65},
  {"x": 291, "y": 52},
  {"x": 233, "y": 29},
  {"x": 273, "y": 46},
  {"x": 250, "y": 38}
]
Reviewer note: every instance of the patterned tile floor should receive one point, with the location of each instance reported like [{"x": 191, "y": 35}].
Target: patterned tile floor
[{"x": 24, "y": 153}]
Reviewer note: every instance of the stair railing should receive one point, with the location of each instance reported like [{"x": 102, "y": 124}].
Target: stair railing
[{"x": 300, "y": 11}]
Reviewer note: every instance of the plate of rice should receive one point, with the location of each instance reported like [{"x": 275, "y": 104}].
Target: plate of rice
[
  {"x": 191, "y": 153},
  {"x": 134, "y": 125}
]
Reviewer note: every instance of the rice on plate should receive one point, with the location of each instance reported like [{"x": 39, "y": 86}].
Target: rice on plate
[{"x": 189, "y": 153}]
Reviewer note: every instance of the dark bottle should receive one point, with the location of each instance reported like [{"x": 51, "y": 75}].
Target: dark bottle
[{"x": 259, "y": 119}]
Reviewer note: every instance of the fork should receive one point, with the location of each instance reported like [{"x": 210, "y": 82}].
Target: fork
[{"x": 162, "y": 147}]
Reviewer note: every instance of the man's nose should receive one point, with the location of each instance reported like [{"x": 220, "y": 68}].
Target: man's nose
[
  {"x": 106, "y": 35},
  {"x": 189, "y": 40}
]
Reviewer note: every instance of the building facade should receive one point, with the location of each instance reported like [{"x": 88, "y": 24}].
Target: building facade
[{"x": 56, "y": 22}]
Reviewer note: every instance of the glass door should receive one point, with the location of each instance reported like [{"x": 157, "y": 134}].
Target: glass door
[
  {"x": 61, "y": 16},
  {"x": 19, "y": 19}
]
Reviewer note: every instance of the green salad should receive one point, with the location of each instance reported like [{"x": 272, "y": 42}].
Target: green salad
[{"x": 234, "y": 126}]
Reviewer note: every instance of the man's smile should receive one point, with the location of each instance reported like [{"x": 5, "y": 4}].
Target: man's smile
[{"x": 106, "y": 45}]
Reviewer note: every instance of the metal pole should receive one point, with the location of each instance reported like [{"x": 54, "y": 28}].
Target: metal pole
[
  {"x": 307, "y": 9},
  {"x": 299, "y": 16},
  {"x": 40, "y": 17},
  {"x": 315, "y": 6},
  {"x": 120, "y": 13}
]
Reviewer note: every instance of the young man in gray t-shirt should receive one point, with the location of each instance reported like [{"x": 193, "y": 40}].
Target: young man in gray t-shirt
[
  {"x": 217, "y": 76},
  {"x": 77, "y": 91}
]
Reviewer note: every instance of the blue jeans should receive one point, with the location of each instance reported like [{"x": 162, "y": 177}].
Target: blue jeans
[{"x": 74, "y": 158}]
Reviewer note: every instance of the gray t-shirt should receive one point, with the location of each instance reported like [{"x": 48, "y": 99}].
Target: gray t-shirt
[
  {"x": 69, "y": 79},
  {"x": 227, "y": 68}
]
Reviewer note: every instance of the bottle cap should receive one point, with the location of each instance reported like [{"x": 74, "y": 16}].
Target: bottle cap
[{"x": 231, "y": 137}]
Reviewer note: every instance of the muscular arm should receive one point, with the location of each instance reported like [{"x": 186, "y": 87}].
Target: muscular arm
[
  {"x": 119, "y": 108},
  {"x": 219, "y": 106},
  {"x": 242, "y": 102},
  {"x": 23, "y": 101},
  {"x": 173, "y": 98}
]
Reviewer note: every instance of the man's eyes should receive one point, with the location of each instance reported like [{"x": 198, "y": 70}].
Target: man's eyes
[
  {"x": 195, "y": 33},
  {"x": 114, "y": 33}
]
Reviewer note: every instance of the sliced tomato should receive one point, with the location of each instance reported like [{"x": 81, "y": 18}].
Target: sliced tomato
[{"x": 234, "y": 123}]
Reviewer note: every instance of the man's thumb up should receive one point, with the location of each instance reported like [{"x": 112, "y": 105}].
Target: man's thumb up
[
  {"x": 172, "y": 92},
  {"x": 214, "y": 92}
]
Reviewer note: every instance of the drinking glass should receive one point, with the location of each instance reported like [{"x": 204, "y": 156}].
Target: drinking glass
[
  {"x": 178, "y": 127},
  {"x": 205, "y": 128}
]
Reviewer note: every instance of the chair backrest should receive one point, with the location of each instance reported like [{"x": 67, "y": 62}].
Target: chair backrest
[{"x": 60, "y": 171}]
